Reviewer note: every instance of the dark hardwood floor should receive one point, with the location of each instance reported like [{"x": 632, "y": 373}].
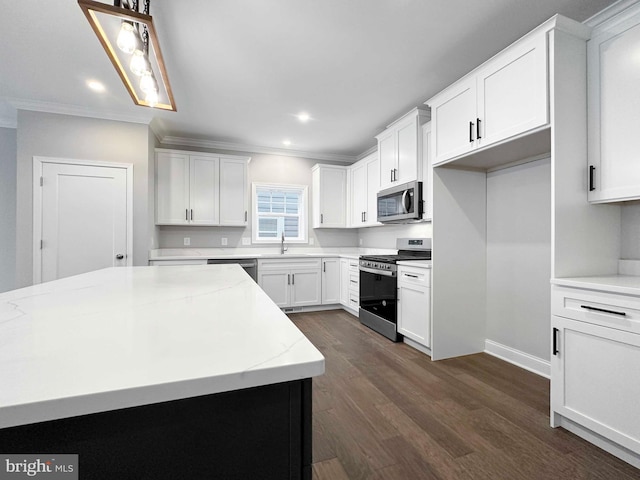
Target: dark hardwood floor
[{"x": 386, "y": 411}]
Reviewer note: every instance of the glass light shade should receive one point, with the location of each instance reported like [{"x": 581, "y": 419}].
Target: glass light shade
[
  {"x": 127, "y": 41},
  {"x": 139, "y": 64},
  {"x": 148, "y": 83},
  {"x": 151, "y": 98}
]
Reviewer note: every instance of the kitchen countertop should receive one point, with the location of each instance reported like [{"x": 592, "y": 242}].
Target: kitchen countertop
[
  {"x": 266, "y": 252},
  {"x": 123, "y": 337},
  {"x": 625, "y": 284},
  {"x": 416, "y": 263}
]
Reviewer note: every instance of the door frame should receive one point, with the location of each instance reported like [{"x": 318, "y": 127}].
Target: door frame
[{"x": 38, "y": 164}]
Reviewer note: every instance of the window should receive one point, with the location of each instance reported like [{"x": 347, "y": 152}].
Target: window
[{"x": 277, "y": 209}]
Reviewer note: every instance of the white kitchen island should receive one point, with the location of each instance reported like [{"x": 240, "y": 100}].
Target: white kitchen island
[{"x": 191, "y": 366}]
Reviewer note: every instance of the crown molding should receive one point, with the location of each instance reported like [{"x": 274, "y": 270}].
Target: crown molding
[
  {"x": 609, "y": 12},
  {"x": 366, "y": 153},
  {"x": 239, "y": 147},
  {"x": 77, "y": 111}
]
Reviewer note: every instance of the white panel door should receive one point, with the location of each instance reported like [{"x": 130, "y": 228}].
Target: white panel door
[
  {"x": 387, "y": 157},
  {"x": 344, "y": 281},
  {"x": 234, "y": 200},
  {"x": 333, "y": 197},
  {"x": 84, "y": 219},
  {"x": 172, "y": 189},
  {"x": 373, "y": 185},
  {"x": 204, "y": 195},
  {"x": 512, "y": 92},
  {"x": 453, "y": 116},
  {"x": 330, "y": 280},
  {"x": 306, "y": 287},
  {"x": 358, "y": 194},
  {"x": 407, "y": 144},
  {"x": 276, "y": 285},
  {"x": 414, "y": 312}
]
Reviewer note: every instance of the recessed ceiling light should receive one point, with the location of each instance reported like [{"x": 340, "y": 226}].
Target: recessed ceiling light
[
  {"x": 286, "y": 142},
  {"x": 303, "y": 117},
  {"x": 95, "y": 86}
]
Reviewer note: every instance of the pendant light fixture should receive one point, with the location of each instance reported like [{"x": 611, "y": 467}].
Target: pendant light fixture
[{"x": 130, "y": 40}]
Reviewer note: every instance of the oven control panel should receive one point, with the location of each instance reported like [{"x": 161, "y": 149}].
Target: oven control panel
[{"x": 391, "y": 267}]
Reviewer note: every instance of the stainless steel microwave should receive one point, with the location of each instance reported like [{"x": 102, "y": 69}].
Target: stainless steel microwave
[{"x": 400, "y": 204}]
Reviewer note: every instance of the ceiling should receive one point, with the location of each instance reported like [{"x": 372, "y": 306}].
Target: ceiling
[{"x": 242, "y": 69}]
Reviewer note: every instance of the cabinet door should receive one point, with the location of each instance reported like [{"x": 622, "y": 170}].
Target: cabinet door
[
  {"x": 387, "y": 157},
  {"x": 594, "y": 379},
  {"x": 333, "y": 197},
  {"x": 512, "y": 92},
  {"x": 172, "y": 189},
  {"x": 453, "y": 119},
  {"x": 204, "y": 195},
  {"x": 407, "y": 151},
  {"x": 373, "y": 186},
  {"x": 414, "y": 307},
  {"x": 234, "y": 199},
  {"x": 358, "y": 194},
  {"x": 276, "y": 284},
  {"x": 427, "y": 172},
  {"x": 330, "y": 280},
  {"x": 344, "y": 281},
  {"x": 306, "y": 287},
  {"x": 614, "y": 115}
]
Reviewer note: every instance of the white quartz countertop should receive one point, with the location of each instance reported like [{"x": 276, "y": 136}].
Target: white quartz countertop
[
  {"x": 266, "y": 252},
  {"x": 123, "y": 337},
  {"x": 416, "y": 263},
  {"x": 625, "y": 284}
]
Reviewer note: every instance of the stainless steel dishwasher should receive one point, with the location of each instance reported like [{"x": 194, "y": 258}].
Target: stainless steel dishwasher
[{"x": 250, "y": 265}]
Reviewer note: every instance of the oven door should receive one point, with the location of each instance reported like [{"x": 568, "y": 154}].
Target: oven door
[{"x": 378, "y": 293}]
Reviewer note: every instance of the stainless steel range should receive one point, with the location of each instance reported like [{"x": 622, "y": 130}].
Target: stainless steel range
[{"x": 379, "y": 285}]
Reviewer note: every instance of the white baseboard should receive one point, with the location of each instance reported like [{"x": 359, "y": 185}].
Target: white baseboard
[
  {"x": 417, "y": 346},
  {"x": 516, "y": 357}
]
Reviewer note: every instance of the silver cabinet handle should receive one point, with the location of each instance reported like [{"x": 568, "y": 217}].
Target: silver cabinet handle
[
  {"x": 410, "y": 275},
  {"x": 119, "y": 256},
  {"x": 288, "y": 279},
  {"x": 186, "y": 214},
  {"x": 293, "y": 279},
  {"x": 192, "y": 214},
  {"x": 245, "y": 215},
  {"x": 321, "y": 218}
]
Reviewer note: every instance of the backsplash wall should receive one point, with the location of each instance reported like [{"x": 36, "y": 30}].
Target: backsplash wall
[
  {"x": 630, "y": 234},
  {"x": 385, "y": 236}
]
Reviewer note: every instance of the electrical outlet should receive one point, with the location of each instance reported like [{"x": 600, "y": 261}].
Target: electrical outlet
[
  {"x": 246, "y": 241},
  {"x": 224, "y": 241},
  {"x": 360, "y": 241},
  {"x": 312, "y": 241},
  {"x": 187, "y": 241}
]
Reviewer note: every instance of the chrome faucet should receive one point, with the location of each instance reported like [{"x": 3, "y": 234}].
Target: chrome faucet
[{"x": 282, "y": 249}]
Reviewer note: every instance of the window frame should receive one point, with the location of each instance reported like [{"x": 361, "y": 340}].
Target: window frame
[{"x": 303, "y": 214}]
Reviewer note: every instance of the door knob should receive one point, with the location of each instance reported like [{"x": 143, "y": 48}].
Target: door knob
[{"x": 119, "y": 256}]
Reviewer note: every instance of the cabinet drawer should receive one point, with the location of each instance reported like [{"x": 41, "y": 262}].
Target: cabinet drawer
[
  {"x": 354, "y": 282},
  {"x": 288, "y": 264},
  {"x": 354, "y": 301},
  {"x": 600, "y": 308},
  {"x": 414, "y": 276}
]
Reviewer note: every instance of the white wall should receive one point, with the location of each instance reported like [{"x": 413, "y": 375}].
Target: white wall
[
  {"x": 385, "y": 236},
  {"x": 630, "y": 241},
  {"x": 8, "y": 155},
  {"x": 518, "y": 257},
  {"x": 63, "y": 136},
  {"x": 267, "y": 169}
]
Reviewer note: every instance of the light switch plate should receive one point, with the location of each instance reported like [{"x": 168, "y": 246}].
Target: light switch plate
[
  {"x": 312, "y": 241},
  {"x": 187, "y": 241},
  {"x": 224, "y": 241},
  {"x": 360, "y": 240},
  {"x": 246, "y": 241}
]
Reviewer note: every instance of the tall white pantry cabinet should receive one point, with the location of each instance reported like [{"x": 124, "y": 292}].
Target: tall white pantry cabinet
[{"x": 529, "y": 104}]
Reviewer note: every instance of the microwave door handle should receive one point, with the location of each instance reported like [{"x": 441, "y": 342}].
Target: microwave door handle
[{"x": 405, "y": 207}]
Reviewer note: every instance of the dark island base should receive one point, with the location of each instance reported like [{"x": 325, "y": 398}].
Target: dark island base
[{"x": 256, "y": 433}]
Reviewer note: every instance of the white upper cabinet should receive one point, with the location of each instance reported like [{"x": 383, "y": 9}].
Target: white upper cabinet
[
  {"x": 234, "y": 195},
  {"x": 400, "y": 149},
  {"x": 200, "y": 189},
  {"x": 203, "y": 190},
  {"x": 365, "y": 182},
  {"x": 505, "y": 97},
  {"x": 427, "y": 172},
  {"x": 329, "y": 196},
  {"x": 614, "y": 109}
]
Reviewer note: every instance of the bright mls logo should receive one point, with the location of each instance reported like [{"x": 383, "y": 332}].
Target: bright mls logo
[{"x": 50, "y": 467}]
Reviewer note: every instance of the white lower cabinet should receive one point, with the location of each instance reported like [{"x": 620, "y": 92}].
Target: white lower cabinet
[
  {"x": 330, "y": 280},
  {"x": 595, "y": 363},
  {"x": 344, "y": 281},
  {"x": 291, "y": 282},
  {"x": 414, "y": 303}
]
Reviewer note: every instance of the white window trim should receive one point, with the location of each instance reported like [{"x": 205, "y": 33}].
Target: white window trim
[{"x": 304, "y": 217}]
